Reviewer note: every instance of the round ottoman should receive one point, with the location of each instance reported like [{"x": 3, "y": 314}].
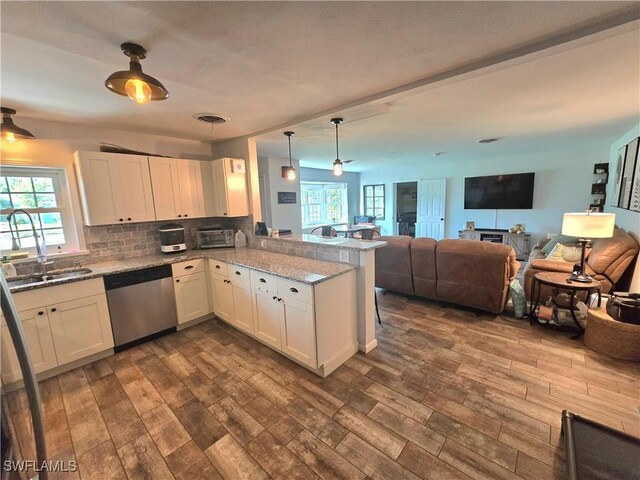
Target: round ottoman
[{"x": 610, "y": 337}]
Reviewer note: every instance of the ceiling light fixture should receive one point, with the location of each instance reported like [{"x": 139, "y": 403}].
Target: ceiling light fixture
[
  {"x": 289, "y": 172},
  {"x": 337, "y": 163},
  {"x": 135, "y": 84},
  {"x": 10, "y": 132}
]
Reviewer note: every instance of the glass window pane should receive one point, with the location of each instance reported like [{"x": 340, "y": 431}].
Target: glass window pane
[
  {"x": 46, "y": 200},
  {"x": 369, "y": 203},
  {"x": 23, "y": 200},
  {"x": 379, "y": 190},
  {"x": 379, "y": 202},
  {"x": 5, "y": 242},
  {"x": 5, "y": 202},
  {"x": 21, "y": 222},
  {"x": 3, "y": 185},
  {"x": 54, "y": 236},
  {"x": 379, "y": 213},
  {"x": 20, "y": 184},
  {"x": 43, "y": 184},
  {"x": 51, "y": 220},
  {"x": 26, "y": 239}
]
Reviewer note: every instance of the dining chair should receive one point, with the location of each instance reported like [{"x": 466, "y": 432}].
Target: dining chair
[
  {"x": 366, "y": 234},
  {"x": 325, "y": 231}
]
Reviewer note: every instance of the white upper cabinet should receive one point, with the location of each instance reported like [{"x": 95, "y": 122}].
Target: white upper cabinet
[
  {"x": 225, "y": 188},
  {"x": 115, "y": 188},
  {"x": 177, "y": 188}
]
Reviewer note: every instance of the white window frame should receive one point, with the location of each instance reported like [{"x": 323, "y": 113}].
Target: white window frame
[
  {"x": 61, "y": 188},
  {"x": 324, "y": 186}
]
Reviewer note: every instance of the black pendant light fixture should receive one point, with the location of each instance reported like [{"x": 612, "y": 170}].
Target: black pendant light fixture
[
  {"x": 337, "y": 163},
  {"x": 11, "y": 132},
  {"x": 133, "y": 83},
  {"x": 289, "y": 172}
]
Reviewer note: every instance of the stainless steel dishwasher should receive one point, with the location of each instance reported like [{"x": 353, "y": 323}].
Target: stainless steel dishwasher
[{"x": 142, "y": 305}]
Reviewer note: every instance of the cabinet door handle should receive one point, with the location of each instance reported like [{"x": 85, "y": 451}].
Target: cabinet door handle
[
  {"x": 179, "y": 216},
  {"x": 275, "y": 298},
  {"x": 188, "y": 267},
  {"x": 279, "y": 299},
  {"x": 238, "y": 273},
  {"x": 177, "y": 280},
  {"x": 262, "y": 280},
  {"x": 218, "y": 267},
  {"x": 186, "y": 215},
  {"x": 129, "y": 218},
  {"x": 121, "y": 219},
  {"x": 224, "y": 213},
  {"x": 293, "y": 290},
  {"x": 41, "y": 313},
  {"x": 54, "y": 309}
]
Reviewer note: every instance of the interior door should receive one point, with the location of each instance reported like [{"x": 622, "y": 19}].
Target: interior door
[{"x": 432, "y": 196}]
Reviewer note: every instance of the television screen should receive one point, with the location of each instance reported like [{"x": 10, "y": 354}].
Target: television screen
[{"x": 499, "y": 192}]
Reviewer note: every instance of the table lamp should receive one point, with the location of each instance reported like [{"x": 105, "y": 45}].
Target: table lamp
[{"x": 585, "y": 226}]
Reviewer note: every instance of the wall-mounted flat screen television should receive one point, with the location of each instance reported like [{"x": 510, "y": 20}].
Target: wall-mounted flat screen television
[{"x": 502, "y": 192}]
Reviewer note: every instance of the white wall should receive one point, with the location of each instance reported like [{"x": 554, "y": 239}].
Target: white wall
[
  {"x": 563, "y": 184},
  {"x": 282, "y": 215},
  {"x": 625, "y": 219},
  {"x": 352, "y": 179}
]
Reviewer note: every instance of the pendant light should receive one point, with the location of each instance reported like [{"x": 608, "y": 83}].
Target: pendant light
[
  {"x": 135, "y": 84},
  {"x": 10, "y": 132},
  {"x": 289, "y": 172},
  {"x": 337, "y": 163}
]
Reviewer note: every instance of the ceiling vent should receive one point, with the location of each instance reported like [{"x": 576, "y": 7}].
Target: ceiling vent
[
  {"x": 211, "y": 118},
  {"x": 488, "y": 140}
]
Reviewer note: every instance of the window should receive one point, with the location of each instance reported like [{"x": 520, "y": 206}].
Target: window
[
  {"x": 323, "y": 203},
  {"x": 40, "y": 192},
  {"x": 374, "y": 201}
]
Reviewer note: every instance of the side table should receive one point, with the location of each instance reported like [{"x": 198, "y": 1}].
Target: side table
[{"x": 561, "y": 281}]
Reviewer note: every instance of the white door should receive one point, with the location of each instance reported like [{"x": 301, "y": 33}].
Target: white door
[
  {"x": 298, "y": 331},
  {"x": 35, "y": 325},
  {"x": 266, "y": 317},
  {"x": 166, "y": 190},
  {"x": 431, "y": 205},
  {"x": 191, "y": 296},
  {"x": 222, "y": 298},
  {"x": 99, "y": 186},
  {"x": 80, "y": 327},
  {"x": 135, "y": 197},
  {"x": 242, "y": 308},
  {"x": 190, "y": 181}
]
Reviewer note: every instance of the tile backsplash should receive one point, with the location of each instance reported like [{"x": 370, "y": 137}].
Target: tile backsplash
[{"x": 117, "y": 242}]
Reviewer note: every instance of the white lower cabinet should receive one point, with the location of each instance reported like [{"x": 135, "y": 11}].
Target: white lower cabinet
[
  {"x": 266, "y": 317},
  {"x": 221, "y": 297},
  {"x": 80, "y": 328},
  {"x": 191, "y": 296},
  {"x": 297, "y": 331},
  {"x": 37, "y": 332},
  {"x": 242, "y": 317}
]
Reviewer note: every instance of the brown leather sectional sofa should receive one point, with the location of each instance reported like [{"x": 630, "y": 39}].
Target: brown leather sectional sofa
[{"x": 466, "y": 272}]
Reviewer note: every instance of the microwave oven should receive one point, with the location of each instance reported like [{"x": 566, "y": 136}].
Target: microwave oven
[{"x": 211, "y": 238}]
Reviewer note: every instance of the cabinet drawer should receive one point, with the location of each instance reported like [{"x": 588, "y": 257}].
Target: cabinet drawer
[
  {"x": 187, "y": 268},
  {"x": 266, "y": 282},
  {"x": 220, "y": 268},
  {"x": 239, "y": 275},
  {"x": 295, "y": 290}
]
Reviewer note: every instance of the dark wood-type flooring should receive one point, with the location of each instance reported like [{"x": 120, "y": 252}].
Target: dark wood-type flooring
[{"x": 446, "y": 395}]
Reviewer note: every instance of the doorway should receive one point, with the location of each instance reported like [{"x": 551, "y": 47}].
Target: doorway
[{"x": 406, "y": 201}]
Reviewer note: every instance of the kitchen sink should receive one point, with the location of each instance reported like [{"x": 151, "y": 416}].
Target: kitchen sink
[{"x": 51, "y": 276}]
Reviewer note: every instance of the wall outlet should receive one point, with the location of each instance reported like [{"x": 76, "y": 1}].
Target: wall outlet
[
  {"x": 263, "y": 244},
  {"x": 344, "y": 256}
]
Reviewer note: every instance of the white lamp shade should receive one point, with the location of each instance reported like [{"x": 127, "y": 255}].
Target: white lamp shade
[{"x": 588, "y": 224}]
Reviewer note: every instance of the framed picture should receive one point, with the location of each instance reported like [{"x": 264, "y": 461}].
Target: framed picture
[
  {"x": 626, "y": 186},
  {"x": 286, "y": 197},
  {"x": 619, "y": 168},
  {"x": 470, "y": 225}
]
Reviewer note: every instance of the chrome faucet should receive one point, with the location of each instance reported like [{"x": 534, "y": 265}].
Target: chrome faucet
[{"x": 42, "y": 259}]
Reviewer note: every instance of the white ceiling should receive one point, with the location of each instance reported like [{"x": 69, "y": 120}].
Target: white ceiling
[
  {"x": 266, "y": 64},
  {"x": 582, "y": 94}
]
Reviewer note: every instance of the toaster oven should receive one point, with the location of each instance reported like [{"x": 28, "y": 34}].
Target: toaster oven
[{"x": 211, "y": 238}]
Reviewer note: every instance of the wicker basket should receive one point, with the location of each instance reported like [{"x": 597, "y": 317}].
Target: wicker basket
[{"x": 610, "y": 337}]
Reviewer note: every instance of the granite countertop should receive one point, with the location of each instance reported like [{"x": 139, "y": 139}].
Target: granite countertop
[
  {"x": 299, "y": 269},
  {"x": 339, "y": 241}
]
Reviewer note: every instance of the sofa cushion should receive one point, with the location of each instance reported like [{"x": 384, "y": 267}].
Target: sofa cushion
[
  {"x": 423, "y": 263},
  {"x": 564, "y": 239},
  {"x": 566, "y": 253},
  {"x": 393, "y": 265}
]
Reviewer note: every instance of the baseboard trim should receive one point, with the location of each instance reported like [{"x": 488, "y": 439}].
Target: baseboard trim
[
  {"x": 369, "y": 346},
  {"x": 338, "y": 360}
]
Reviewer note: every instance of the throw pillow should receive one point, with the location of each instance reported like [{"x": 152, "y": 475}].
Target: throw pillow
[
  {"x": 563, "y": 239},
  {"x": 565, "y": 253},
  {"x": 518, "y": 298}
]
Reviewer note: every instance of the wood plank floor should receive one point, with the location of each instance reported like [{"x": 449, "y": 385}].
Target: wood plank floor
[{"x": 446, "y": 395}]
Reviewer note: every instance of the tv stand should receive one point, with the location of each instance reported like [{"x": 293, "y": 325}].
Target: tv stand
[{"x": 521, "y": 242}]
